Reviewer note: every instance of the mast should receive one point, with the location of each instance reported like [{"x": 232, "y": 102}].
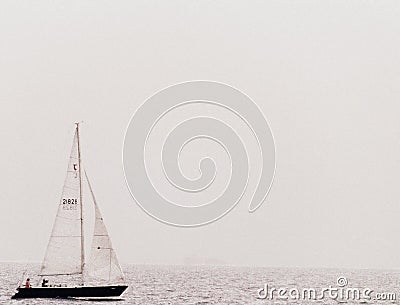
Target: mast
[{"x": 81, "y": 204}]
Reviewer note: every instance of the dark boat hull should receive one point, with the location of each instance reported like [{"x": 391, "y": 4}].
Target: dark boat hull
[{"x": 70, "y": 292}]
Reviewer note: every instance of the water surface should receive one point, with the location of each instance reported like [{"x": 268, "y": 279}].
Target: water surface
[{"x": 217, "y": 285}]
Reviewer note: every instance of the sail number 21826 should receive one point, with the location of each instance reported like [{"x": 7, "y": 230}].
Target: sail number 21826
[{"x": 69, "y": 203}]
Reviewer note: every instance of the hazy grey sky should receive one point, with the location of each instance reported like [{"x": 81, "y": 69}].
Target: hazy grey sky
[{"x": 325, "y": 73}]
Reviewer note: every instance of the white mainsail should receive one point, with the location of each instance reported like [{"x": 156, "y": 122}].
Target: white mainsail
[
  {"x": 103, "y": 265},
  {"x": 64, "y": 254}
]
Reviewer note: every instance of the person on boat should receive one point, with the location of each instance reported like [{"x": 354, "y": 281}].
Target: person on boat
[
  {"x": 44, "y": 283},
  {"x": 28, "y": 283}
]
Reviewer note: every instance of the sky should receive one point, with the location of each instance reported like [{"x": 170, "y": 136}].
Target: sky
[{"x": 325, "y": 74}]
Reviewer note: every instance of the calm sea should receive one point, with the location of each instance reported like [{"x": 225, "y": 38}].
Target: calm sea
[{"x": 230, "y": 285}]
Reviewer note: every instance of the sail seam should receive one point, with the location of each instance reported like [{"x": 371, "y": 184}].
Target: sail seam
[{"x": 75, "y": 236}]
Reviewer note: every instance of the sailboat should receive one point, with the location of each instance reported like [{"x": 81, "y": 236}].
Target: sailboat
[{"x": 101, "y": 276}]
